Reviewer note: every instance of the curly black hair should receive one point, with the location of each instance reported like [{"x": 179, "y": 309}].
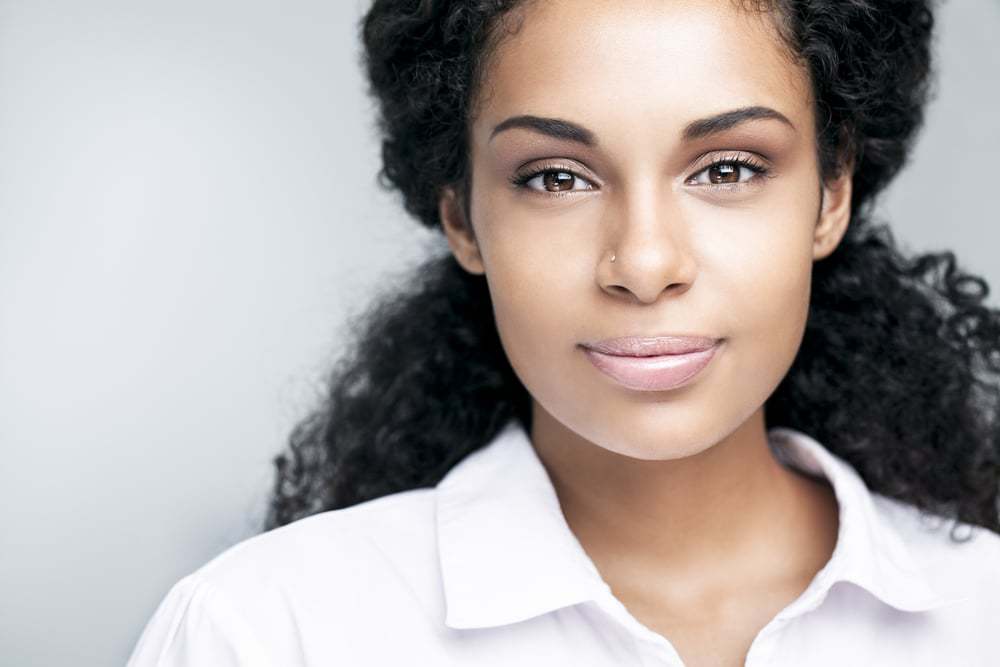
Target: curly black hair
[{"x": 898, "y": 369}]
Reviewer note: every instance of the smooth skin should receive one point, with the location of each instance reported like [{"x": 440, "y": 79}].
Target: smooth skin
[{"x": 675, "y": 495}]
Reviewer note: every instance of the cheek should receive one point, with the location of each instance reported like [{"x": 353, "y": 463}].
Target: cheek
[
  {"x": 540, "y": 267},
  {"x": 757, "y": 268},
  {"x": 538, "y": 284}
]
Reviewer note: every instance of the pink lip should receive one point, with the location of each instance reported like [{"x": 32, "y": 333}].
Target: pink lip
[{"x": 652, "y": 364}]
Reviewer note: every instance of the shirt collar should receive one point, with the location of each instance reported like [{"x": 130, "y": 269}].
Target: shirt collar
[
  {"x": 507, "y": 553},
  {"x": 870, "y": 551}
]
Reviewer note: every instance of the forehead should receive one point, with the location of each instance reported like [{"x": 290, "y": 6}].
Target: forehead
[{"x": 653, "y": 64}]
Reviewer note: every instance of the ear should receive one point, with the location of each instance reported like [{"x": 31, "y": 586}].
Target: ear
[
  {"x": 459, "y": 232},
  {"x": 834, "y": 215}
]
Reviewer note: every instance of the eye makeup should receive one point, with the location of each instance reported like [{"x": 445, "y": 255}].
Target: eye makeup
[
  {"x": 719, "y": 171},
  {"x": 724, "y": 171},
  {"x": 552, "y": 172}
]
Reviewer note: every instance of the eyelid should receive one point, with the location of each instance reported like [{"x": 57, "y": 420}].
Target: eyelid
[
  {"x": 759, "y": 167},
  {"x": 746, "y": 158},
  {"x": 533, "y": 169},
  {"x": 757, "y": 163}
]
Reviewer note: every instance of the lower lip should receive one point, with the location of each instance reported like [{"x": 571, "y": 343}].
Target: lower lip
[{"x": 652, "y": 373}]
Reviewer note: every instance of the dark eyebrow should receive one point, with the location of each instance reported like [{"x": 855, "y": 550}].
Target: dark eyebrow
[
  {"x": 553, "y": 127},
  {"x": 569, "y": 131},
  {"x": 730, "y": 119}
]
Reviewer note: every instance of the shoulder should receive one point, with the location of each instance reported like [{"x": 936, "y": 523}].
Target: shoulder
[
  {"x": 373, "y": 547},
  {"x": 337, "y": 574},
  {"x": 966, "y": 566},
  {"x": 330, "y": 541}
]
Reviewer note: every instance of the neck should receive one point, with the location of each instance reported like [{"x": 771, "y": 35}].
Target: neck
[{"x": 732, "y": 503}]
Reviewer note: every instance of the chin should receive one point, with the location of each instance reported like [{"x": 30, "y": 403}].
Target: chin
[{"x": 639, "y": 433}]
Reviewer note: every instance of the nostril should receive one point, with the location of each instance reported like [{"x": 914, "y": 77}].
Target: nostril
[{"x": 619, "y": 290}]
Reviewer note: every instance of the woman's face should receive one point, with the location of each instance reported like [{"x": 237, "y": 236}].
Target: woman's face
[{"x": 686, "y": 148}]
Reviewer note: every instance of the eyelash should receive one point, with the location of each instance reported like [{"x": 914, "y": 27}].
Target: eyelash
[
  {"x": 520, "y": 180},
  {"x": 759, "y": 169}
]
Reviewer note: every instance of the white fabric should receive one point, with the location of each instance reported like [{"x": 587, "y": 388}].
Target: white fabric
[{"x": 484, "y": 570}]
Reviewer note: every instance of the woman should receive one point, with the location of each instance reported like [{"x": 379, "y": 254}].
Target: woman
[{"x": 670, "y": 397}]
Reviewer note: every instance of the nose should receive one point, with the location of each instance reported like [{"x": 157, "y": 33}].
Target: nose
[{"x": 651, "y": 244}]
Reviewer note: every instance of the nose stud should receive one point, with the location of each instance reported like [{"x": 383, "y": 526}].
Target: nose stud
[{"x": 612, "y": 257}]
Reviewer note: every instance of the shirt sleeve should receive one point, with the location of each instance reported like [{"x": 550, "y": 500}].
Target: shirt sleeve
[{"x": 194, "y": 626}]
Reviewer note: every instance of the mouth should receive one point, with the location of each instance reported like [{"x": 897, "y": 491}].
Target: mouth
[{"x": 652, "y": 363}]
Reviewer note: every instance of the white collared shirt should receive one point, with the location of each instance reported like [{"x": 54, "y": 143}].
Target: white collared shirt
[{"x": 484, "y": 570}]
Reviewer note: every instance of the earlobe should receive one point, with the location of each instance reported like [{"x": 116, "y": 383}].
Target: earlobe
[{"x": 834, "y": 216}]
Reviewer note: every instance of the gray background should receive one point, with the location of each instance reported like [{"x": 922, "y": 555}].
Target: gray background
[{"x": 187, "y": 216}]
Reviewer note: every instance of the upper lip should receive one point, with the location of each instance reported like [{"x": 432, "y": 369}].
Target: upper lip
[{"x": 651, "y": 346}]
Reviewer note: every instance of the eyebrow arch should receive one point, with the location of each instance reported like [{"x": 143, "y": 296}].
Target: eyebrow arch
[
  {"x": 726, "y": 120},
  {"x": 553, "y": 127},
  {"x": 697, "y": 129}
]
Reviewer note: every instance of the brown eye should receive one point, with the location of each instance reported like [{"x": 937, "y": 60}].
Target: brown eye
[
  {"x": 728, "y": 172},
  {"x": 558, "y": 181},
  {"x": 724, "y": 172},
  {"x": 553, "y": 181}
]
